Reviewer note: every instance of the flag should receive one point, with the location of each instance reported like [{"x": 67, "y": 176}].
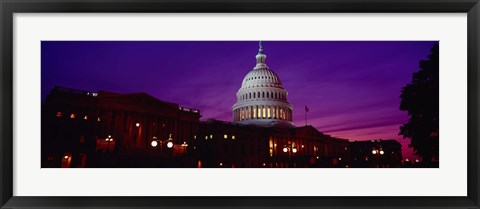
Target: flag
[{"x": 306, "y": 109}]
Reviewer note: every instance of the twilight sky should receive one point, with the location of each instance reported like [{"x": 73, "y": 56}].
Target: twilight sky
[{"x": 352, "y": 88}]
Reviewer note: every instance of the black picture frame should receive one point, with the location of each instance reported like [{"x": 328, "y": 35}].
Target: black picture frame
[{"x": 10, "y": 7}]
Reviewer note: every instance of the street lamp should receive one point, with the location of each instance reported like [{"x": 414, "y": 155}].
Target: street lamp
[
  {"x": 290, "y": 149},
  {"x": 154, "y": 142},
  {"x": 170, "y": 141},
  {"x": 378, "y": 152},
  {"x": 109, "y": 139}
]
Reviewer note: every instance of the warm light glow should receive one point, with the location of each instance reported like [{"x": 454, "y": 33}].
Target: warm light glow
[
  {"x": 381, "y": 152},
  {"x": 294, "y": 150},
  {"x": 264, "y": 114},
  {"x": 374, "y": 152},
  {"x": 211, "y": 136},
  {"x": 303, "y": 146},
  {"x": 59, "y": 114},
  {"x": 85, "y": 118},
  {"x": 318, "y": 157},
  {"x": 275, "y": 145},
  {"x": 233, "y": 137},
  {"x": 225, "y": 136},
  {"x": 170, "y": 144},
  {"x": 285, "y": 149},
  {"x": 194, "y": 136},
  {"x": 206, "y": 137},
  {"x": 407, "y": 160},
  {"x": 264, "y": 164},
  {"x": 417, "y": 161},
  {"x": 72, "y": 115},
  {"x": 339, "y": 158},
  {"x": 98, "y": 119},
  {"x": 154, "y": 143},
  {"x": 221, "y": 164},
  {"x": 137, "y": 124},
  {"x": 66, "y": 156}
]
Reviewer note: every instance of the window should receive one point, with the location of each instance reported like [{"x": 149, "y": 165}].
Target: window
[
  {"x": 233, "y": 136},
  {"x": 72, "y": 115},
  {"x": 264, "y": 113},
  {"x": 85, "y": 117},
  {"x": 225, "y": 136},
  {"x": 258, "y": 94},
  {"x": 211, "y": 136},
  {"x": 254, "y": 112},
  {"x": 263, "y": 94},
  {"x": 268, "y": 113}
]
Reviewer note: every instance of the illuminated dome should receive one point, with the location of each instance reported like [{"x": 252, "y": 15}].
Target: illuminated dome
[{"x": 262, "y": 100}]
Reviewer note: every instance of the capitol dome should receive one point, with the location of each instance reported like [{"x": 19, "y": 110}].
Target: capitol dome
[{"x": 262, "y": 100}]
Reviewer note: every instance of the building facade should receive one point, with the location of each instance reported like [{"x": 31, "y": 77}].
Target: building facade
[
  {"x": 227, "y": 144},
  {"x": 83, "y": 129}
]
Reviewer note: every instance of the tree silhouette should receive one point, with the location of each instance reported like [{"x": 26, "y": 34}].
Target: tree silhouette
[{"x": 420, "y": 99}]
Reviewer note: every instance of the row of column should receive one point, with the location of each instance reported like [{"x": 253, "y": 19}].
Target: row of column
[
  {"x": 262, "y": 112},
  {"x": 263, "y": 94}
]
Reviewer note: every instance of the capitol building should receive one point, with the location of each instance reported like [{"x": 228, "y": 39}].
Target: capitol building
[
  {"x": 262, "y": 100},
  {"x": 106, "y": 129}
]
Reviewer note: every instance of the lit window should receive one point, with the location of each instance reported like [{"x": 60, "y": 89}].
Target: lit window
[
  {"x": 206, "y": 137},
  {"x": 264, "y": 112},
  {"x": 194, "y": 136},
  {"x": 72, "y": 115},
  {"x": 254, "y": 112},
  {"x": 268, "y": 113},
  {"x": 98, "y": 119},
  {"x": 59, "y": 114},
  {"x": 225, "y": 136},
  {"x": 85, "y": 117},
  {"x": 211, "y": 136},
  {"x": 233, "y": 137}
]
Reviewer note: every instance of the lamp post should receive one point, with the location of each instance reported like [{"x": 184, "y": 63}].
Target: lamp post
[
  {"x": 377, "y": 153},
  {"x": 290, "y": 149},
  {"x": 155, "y": 143},
  {"x": 109, "y": 139}
]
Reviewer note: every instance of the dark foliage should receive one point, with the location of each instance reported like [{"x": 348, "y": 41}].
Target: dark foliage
[{"x": 420, "y": 99}]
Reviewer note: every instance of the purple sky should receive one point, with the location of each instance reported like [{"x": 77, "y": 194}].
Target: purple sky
[{"x": 352, "y": 88}]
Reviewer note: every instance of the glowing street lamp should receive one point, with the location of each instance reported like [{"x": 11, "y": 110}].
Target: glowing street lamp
[
  {"x": 154, "y": 143},
  {"x": 109, "y": 139},
  {"x": 170, "y": 144},
  {"x": 285, "y": 149}
]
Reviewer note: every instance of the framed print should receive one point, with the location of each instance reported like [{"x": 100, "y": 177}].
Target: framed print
[{"x": 160, "y": 104}]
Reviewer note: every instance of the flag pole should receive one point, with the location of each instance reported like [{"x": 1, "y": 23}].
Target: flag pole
[{"x": 306, "y": 115}]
